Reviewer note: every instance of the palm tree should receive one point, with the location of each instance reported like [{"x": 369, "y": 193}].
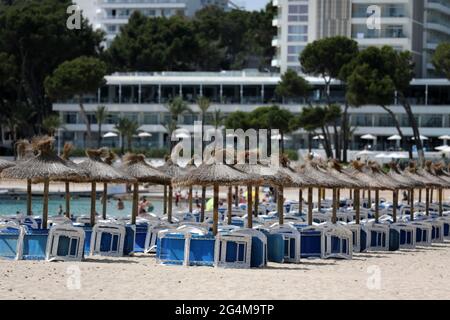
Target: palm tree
[
  {"x": 52, "y": 123},
  {"x": 100, "y": 114},
  {"x": 127, "y": 129},
  {"x": 218, "y": 118},
  {"x": 170, "y": 127},
  {"x": 177, "y": 107}
]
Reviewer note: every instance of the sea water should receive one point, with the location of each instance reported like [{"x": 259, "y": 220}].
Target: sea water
[{"x": 78, "y": 207}]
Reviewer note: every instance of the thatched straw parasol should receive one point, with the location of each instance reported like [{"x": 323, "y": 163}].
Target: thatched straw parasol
[
  {"x": 44, "y": 167},
  {"x": 5, "y": 164},
  {"x": 134, "y": 165},
  {"x": 435, "y": 171},
  {"x": 214, "y": 172},
  {"x": 172, "y": 170},
  {"x": 24, "y": 151},
  {"x": 67, "y": 150},
  {"x": 319, "y": 178},
  {"x": 409, "y": 182},
  {"x": 99, "y": 171}
]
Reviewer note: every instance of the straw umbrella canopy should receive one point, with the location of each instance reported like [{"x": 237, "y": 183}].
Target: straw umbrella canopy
[
  {"x": 318, "y": 178},
  {"x": 67, "y": 150},
  {"x": 24, "y": 151},
  {"x": 214, "y": 173},
  {"x": 409, "y": 182},
  {"x": 134, "y": 165},
  {"x": 101, "y": 172},
  {"x": 4, "y": 164},
  {"x": 44, "y": 167},
  {"x": 436, "y": 172},
  {"x": 173, "y": 170}
]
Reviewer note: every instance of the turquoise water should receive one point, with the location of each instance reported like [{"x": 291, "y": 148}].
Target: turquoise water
[{"x": 78, "y": 207}]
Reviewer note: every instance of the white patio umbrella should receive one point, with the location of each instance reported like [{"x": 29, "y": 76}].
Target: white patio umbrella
[
  {"x": 368, "y": 137},
  {"x": 446, "y": 150},
  {"x": 319, "y": 137},
  {"x": 440, "y": 148},
  {"x": 398, "y": 155},
  {"x": 278, "y": 137},
  {"x": 365, "y": 153},
  {"x": 144, "y": 135},
  {"x": 183, "y": 135},
  {"x": 421, "y": 138},
  {"x": 383, "y": 156},
  {"x": 110, "y": 135},
  {"x": 395, "y": 137},
  {"x": 444, "y": 137}
]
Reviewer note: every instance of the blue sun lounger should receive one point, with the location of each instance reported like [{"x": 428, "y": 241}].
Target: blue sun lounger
[
  {"x": 108, "y": 239},
  {"x": 11, "y": 238},
  {"x": 34, "y": 244},
  {"x": 407, "y": 235},
  {"x": 337, "y": 241},
  {"x": 188, "y": 246},
  {"x": 258, "y": 253},
  {"x": 233, "y": 250},
  {"x": 283, "y": 244},
  {"x": 141, "y": 235},
  {"x": 311, "y": 239}
]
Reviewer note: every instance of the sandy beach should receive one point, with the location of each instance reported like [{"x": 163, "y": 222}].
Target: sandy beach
[{"x": 418, "y": 274}]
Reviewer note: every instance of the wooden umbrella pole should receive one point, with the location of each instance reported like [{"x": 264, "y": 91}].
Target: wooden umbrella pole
[
  {"x": 324, "y": 194},
  {"x": 104, "y": 200},
  {"x": 319, "y": 198},
  {"x": 411, "y": 193},
  {"x": 364, "y": 194},
  {"x": 190, "y": 199},
  {"x": 427, "y": 201},
  {"x": 29, "y": 198},
  {"x": 45, "y": 205},
  {"x": 165, "y": 200},
  {"x": 280, "y": 203},
  {"x": 300, "y": 201},
  {"x": 334, "y": 207},
  {"x": 441, "y": 212},
  {"x": 394, "y": 205},
  {"x": 169, "y": 204},
  {"x": 256, "y": 202},
  {"x": 236, "y": 196},
  {"x": 350, "y": 194},
  {"x": 93, "y": 200},
  {"x": 134, "y": 213},
  {"x": 409, "y": 197},
  {"x": 230, "y": 204},
  {"x": 338, "y": 196},
  {"x": 420, "y": 195},
  {"x": 67, "y": 185},
  {"x": 202, "y": 209},
  {"x": 216, "y": 209},
  {"x": 431, "y": 195},
  {"x": 369, "y": 198},
  {"x": 310, "y": 206},
  {"x": 377, "y": 204},
  {"x": 249, "y": 207},
  {"x": 356, "y": 206}
]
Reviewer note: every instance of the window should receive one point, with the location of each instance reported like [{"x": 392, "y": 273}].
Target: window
[{"x": 151, "y": 118}]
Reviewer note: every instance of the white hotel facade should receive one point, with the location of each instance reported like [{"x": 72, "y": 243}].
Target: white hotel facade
[
  {"x": 143, "y": 97},
  {"x": 414, "y": 25}
]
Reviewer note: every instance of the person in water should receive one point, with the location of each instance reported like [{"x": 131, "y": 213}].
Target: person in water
[
  {"x": 60, "y": 210},
  {"x": 120, "y": 205}
]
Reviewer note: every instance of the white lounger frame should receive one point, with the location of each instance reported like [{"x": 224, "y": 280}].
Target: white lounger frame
[
  {"x": 220, "y": 250},
  {"x": 439, "y": 225},
  {"x": 356, "y": 236},
  {"x": 107, "y": 227},
  {"x": 427, "y": 227},
  {"x": 22, "y": 231},
  {"x": 255, "y": 233},
  {"x": 408, "y": 228},
  {"x": 51, "y": 252},
  {"x": 336, "y": 230},
  {"x": 152, "y": 236},
  {"x": 288, "y": 232},
  {"x": 380, "y": 229}
]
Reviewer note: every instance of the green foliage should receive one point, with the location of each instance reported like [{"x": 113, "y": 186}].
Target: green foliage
[
  {"x": 211, "y": 41},
  {"x": 52, "y": 123},
  {"x": 291, "y": 154},
  {"x": 177, "y": 107},
  {"x": 238, "y": 120},
  {"x": 127, "y": 129},
  {"x": 441, "y": 59},
  {"x": 292, "y": 85},
  {"x": 76, "y": 77},
  {"x": 326, "y": 57},
  {"x": 34, "y": 37}
]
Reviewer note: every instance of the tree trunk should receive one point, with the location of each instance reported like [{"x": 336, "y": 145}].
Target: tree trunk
[
  {"x": 326, "y": 144},
  {"x": 415, "y": 128},
  {"x": 67, "y": 185},
  {"x": 99, "y": 138},
  {"x": 216, "y": 209},
  {"x": 86, "y": 120},
  {"x": 309, "y": 142},
  {"x": 280, "y": 203},
  {"x": 249, "y": 207},
  {"x": 45, "y": 205},
  {"x": 93, "y": 200},
  {"x": 336, "y": 142},
  {"x": 344, "y": 135}
]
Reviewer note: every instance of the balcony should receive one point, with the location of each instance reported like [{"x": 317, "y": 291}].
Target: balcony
[
  {"x": 275, "y": 63},
  {"x": 438, "y": 5},
  {"x": 276, "y": 42},
  {"x": 276, "y": 22}
]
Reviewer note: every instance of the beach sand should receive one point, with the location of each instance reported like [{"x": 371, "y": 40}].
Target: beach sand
[{"x": 418, "y": 274}]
